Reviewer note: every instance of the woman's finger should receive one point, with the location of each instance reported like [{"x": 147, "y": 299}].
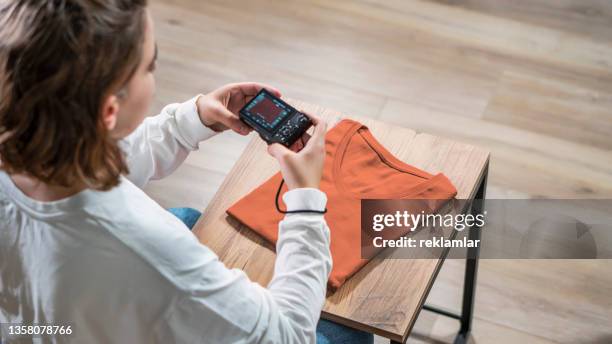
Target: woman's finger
[
  {"x": 320, "y": 128},
  {"x": 313, "y": 118},
  {"x": 238, "y": 94},
  {"x": 250, "y": 89},
  {"x": 227, "y": 118},
  {"x": 278, "y": 151}
]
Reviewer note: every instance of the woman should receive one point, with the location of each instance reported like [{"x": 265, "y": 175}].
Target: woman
[{"x": 81, "y": 245}]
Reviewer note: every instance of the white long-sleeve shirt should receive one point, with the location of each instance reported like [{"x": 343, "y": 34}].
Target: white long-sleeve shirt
[{"x": 118, "y": 268}]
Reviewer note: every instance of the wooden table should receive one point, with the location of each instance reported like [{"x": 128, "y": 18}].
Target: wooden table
[{"x": 386, "y": 296}]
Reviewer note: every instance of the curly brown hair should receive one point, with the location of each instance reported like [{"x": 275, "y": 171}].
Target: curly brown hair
[{"x": 58, "y": 61}]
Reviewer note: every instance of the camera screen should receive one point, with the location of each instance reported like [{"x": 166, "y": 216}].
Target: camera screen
[{"x": 267, "y": 111}]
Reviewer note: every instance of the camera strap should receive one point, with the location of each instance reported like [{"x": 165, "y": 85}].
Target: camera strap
[{"x": 280, "y": 186}]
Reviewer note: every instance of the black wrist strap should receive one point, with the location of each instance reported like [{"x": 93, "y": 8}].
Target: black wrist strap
[{"x": 280, "y": 186}]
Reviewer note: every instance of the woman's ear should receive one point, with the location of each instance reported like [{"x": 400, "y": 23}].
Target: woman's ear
[{"x": 110, "y": 110}]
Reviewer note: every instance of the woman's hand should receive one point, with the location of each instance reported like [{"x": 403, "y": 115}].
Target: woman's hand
[
  {"x": 219, "y": 109},
  {"x": 304, "y": 168}
]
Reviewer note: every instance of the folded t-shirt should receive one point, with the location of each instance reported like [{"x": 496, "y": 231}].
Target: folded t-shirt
[{"x": 356, "y": 167}]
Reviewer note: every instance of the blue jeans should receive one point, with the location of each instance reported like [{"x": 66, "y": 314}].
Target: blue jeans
[
  {"x": 189, "y": 216},
  {"x": 327, "y": 332}
]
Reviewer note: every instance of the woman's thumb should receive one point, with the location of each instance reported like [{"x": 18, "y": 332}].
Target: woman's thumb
[{"x": 278, "y": 151}]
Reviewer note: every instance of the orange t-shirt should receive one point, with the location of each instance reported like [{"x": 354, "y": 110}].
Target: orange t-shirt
[{"x": 356, "y": 167}]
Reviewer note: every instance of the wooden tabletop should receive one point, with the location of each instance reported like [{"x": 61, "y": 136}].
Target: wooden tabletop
[{"x": 385, "y": 297}]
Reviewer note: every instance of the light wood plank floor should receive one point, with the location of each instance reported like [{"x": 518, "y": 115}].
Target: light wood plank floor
[{"x": 530, "y": 80}]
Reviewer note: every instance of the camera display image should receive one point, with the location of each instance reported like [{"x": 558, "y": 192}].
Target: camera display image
[{"x": 267, "y": 111}]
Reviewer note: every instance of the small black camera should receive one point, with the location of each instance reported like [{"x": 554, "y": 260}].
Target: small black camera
[{"x": 274, "y": 120}]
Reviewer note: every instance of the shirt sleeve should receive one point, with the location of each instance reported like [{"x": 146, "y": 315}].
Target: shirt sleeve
[
  {"x": 161, "y": 143},
  {"x": 221, "y": 305}
]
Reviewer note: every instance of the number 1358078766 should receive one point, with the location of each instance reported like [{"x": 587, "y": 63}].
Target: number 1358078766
[{"x": 15, "y": 330}]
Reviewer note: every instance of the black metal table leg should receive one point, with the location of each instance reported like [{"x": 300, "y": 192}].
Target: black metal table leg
[{"x": 471, "y": 268}]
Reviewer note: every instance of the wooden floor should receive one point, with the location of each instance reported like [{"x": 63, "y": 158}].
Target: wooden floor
[{"x": 530, "y": 80}]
